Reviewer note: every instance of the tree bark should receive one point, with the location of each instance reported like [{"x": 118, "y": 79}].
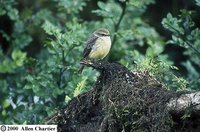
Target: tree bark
[{"x": 184, "y": 102}]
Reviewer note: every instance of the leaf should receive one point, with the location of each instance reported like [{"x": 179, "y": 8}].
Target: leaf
[
  {"x": 191, "y": 69},
  {"x": 2, "y": 12},
  {"x": 41, "y": 16},
  {"x": 67, "y": 99},
  {"x": 6, "y": 104},
  {"x": 171, "y": 23},
  {"x": 141, "y": 3},
  {"x": 108, "y": 10},
  {"x": 50, "y": 29},
  {"x": 71, "y": 6},
  {"x": 13, "y": 13},
  {"x": 6, "y": 66},
  {"x": 101, "y": 5},
  {"x": 18, "y": 57},
  {"x": 197, "y": 2},
  {"x": 22, "y": 40},
  {"x": 79, "y": 89}
]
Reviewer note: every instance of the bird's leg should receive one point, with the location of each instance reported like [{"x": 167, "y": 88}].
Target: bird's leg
[
  {"x": 86, "y": 62},
  {"x": 92, "y": 63}
]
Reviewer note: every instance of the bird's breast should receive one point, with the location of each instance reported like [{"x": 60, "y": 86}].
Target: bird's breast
[{"x": 101, "y": 48}]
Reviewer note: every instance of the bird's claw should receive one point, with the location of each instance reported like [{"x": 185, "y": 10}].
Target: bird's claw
[{"x": 86, "y": 62}]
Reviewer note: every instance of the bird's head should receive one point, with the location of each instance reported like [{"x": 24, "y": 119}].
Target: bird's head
[{"x": 102, "y": 32}]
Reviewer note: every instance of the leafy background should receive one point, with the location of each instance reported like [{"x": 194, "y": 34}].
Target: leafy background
[{"x": 41, "y": 43}]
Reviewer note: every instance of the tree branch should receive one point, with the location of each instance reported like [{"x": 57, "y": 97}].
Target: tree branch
[
  {"x": 116, "y": 26},
  {"x": 62, "y": 70},
  {"x": 181, "y": 104}
]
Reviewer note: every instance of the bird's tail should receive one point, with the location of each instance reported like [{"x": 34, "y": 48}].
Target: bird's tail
[{"x": 81, "y": 69}]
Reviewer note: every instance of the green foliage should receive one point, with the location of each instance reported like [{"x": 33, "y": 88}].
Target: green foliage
[
  {"x": 71, "y": 6},
  {"x": 80, "y": 87},
  {"x": 197, "y": 2},
  {"x": 17, "y": 60},
  {"x": 47, "y": 79},
  {"x": 39, "y": 64},
  {"x": 141, "y": 4},
  {"x": 185, "y": 34},
  {"x": 163, "y": 71}
]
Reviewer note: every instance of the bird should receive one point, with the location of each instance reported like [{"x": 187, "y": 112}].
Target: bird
[{"x": 97, "y": 46}]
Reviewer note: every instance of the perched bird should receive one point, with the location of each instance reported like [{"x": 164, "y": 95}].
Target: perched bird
[{"x": 97, "y": 46}]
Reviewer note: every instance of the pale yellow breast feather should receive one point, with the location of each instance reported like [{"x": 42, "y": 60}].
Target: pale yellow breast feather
[{"x": 101, "y": 48}]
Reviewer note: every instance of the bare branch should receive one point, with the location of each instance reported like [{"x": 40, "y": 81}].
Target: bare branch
[{"x": 184, "y": 102}]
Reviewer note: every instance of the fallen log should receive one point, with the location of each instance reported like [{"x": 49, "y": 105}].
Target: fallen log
[{"x": 125, "y": 101}]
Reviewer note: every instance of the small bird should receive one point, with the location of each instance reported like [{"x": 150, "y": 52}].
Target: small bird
[{"x": 97, "y": 46}]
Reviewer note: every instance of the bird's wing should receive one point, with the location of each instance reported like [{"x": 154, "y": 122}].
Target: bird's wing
[{"x": 89, "y": 43}]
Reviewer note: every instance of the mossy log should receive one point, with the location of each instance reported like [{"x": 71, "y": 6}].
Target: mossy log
[{"x": 125, "y": 101}]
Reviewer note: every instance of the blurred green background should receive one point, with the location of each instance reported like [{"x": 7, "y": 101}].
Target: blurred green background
[{"x": 41, "y": 44}]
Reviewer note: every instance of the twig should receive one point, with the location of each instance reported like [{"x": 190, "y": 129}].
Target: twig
[
  {"x": 116, "y": 26},
  {"x": 62, "y": 70},
  {"x": 189, "y": 44}
]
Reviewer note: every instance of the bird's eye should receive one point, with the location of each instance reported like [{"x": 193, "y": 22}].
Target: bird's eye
[{"x": 104, "y": 34}]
